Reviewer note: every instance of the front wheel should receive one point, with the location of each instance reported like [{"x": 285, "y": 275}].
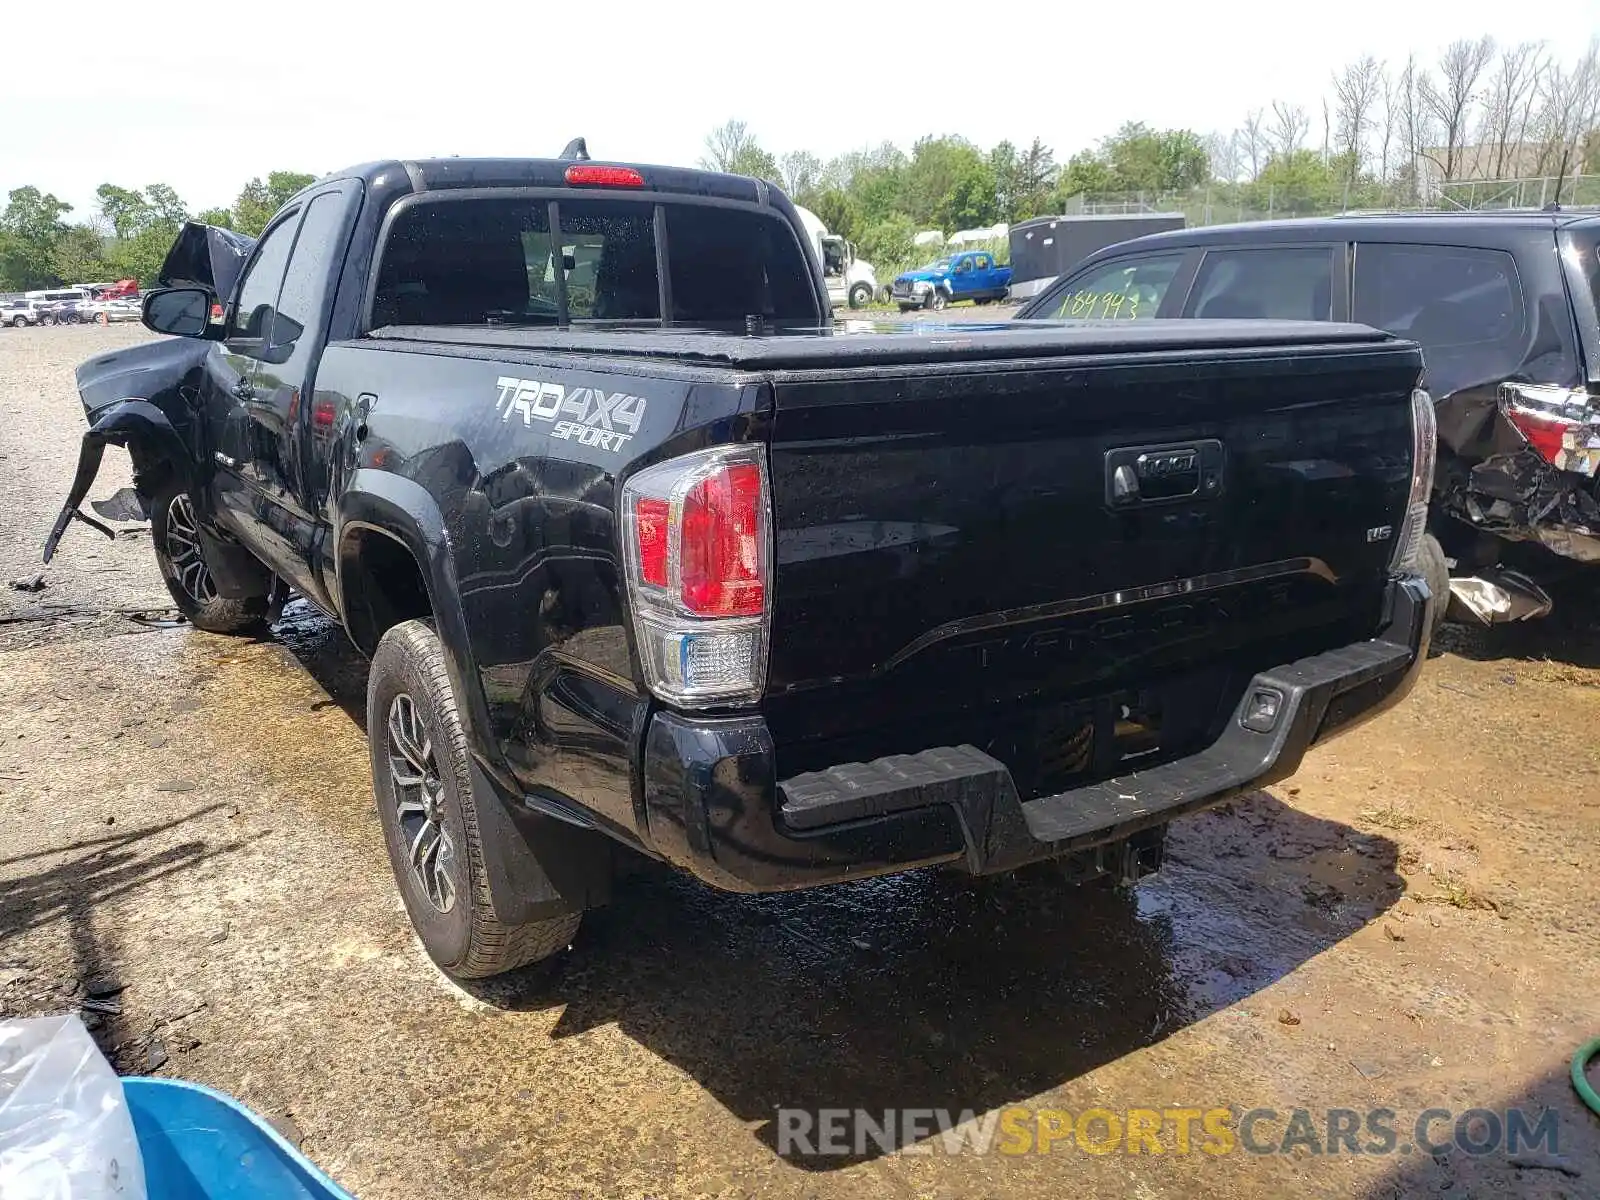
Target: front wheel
[
  {"x": 422, "y": 781},
  {"x": 937, "y": 299},
  {"x": 180, "y": 553},
  {"x": 860, "y": 295}
]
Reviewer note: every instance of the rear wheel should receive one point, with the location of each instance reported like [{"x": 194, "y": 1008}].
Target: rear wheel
[
  {"x": 180, "y": 553},
  {"x": 423, "y": 786}
]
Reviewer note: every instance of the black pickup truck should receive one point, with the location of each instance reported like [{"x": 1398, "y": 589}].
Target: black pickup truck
[{"x": 650, "y": 558}]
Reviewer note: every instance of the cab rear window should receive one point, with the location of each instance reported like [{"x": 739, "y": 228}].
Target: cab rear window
[{"x": 514, "y": 261}]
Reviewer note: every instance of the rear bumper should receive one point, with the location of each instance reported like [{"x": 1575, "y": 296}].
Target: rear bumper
[{"x": 715, "y": 807}]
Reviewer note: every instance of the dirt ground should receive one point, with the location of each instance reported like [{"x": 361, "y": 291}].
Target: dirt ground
[{"x": 190, "y": 856}]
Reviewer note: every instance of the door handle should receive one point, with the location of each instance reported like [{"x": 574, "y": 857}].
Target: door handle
[{"x": 243, "y": 390}]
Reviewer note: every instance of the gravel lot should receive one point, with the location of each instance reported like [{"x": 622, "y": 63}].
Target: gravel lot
[{"x": 1409, "y": 923}]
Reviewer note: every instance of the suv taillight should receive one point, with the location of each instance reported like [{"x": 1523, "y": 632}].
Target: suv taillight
[
  {"x": 1561, "y": 424},
  {"x": 1424, "y": 448},
  {"x": 697, "y": 537}
]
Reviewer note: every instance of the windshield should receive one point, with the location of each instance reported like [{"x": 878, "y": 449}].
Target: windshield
[
  {"x": 493, "y": 261},
  {"x": 938, "y": 264}
]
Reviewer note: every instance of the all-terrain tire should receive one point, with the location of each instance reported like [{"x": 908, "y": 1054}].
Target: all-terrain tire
[
  {"x": 1436, "y": 570},
  {"x": 464, "y": 937},
  {"x": 181, "y": 557}
]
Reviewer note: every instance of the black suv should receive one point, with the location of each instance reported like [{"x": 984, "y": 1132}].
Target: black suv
[{"x": 1503, "y": 305}]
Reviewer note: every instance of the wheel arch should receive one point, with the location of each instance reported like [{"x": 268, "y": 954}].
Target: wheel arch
[
  {"x": 537, "y": 865},
  {"x": 390, "y": 533}
]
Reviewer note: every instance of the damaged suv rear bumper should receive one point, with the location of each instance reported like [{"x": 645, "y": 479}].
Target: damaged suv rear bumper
[{"x": 715, "y": 806}]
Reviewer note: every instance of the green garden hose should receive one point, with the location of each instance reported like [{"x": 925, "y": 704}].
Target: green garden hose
[{"x": 1580, "y": 1081}]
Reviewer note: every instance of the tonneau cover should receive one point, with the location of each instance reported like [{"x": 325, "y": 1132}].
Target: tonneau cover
[{"x": 889, "y": 343}]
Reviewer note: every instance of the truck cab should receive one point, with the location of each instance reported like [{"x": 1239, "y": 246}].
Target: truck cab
[{"x": 851, "y": 281}]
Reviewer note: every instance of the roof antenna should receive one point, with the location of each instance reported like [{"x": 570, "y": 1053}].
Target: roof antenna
[{"x": 577, "y": 149}]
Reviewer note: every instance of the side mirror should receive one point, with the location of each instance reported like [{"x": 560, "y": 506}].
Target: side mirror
[{"x": 184, "y": 312}]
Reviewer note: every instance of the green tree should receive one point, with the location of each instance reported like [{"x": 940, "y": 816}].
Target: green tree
[
  {"x": 258, "y": 201},
  {"x": 887, "y": 245},
  {"x": 1150, "y": 160},
  {"x": 79, "y": 255},
  {"x": 1087, "y": 173},
  {"x": 165, "y": 206},
  {"x": 938, "y": 165},
  {"x": 140, "y": 257},
  {"x": 971, "y": 201},
  {"x": 837, "y": 210},
  {"x": 29, "y": 229},
  {"x": 220, "y": 217},
  {"x": 125, "y": 208},
  {"x": 1299, "y": 181}
]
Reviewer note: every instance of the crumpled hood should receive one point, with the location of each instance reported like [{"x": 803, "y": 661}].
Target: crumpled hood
[{"x": 206, "y": 256}]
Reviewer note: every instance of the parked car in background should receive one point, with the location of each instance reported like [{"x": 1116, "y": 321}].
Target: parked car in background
[
  {"x": 63, "y": 312},
  {"x": 1503, "y": 304},
  {"x": 106, "y": 312},
  {"x": 971, "y": 275},
  {"x": 18, "y": 313}
]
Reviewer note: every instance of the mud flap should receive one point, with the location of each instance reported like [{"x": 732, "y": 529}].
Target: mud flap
[
  {"x": 131, "y": 420},
  {"x": 539, "y": 866}
]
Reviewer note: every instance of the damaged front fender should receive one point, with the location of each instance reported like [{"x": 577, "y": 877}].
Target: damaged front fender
[{"x": 138, "y": 424}]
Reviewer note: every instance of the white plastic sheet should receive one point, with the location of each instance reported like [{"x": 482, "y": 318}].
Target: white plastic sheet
[{"x": 65, "y": 1132}]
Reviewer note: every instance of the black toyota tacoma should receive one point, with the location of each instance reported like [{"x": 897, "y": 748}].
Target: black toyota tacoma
[{"x": 649, "y": 558}]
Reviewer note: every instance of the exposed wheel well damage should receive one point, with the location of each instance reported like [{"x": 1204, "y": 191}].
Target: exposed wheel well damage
[{"x": 381, "y": 584}]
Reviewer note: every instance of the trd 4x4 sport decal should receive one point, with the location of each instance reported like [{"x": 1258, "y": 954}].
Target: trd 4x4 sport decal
[{"x": 589, "y": 416}]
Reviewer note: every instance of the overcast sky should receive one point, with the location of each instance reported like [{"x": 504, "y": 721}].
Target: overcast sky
[{"x": 136, "y": 94}]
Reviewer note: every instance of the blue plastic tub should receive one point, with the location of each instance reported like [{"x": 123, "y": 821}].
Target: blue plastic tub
[{"x": 199, "y": 1144}]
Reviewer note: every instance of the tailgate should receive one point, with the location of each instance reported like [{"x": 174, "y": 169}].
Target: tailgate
[{"x": 995, "y": 553}]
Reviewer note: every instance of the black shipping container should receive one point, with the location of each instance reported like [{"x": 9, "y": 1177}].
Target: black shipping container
[{"x": 1046, "y": 247}]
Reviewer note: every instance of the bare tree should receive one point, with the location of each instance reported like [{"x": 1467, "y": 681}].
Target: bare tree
[
  {"x": 1391, "y": 121},
  {"x": 1289, "y": 127},
  {"x": 727, "y": 145},
  {"x": 802, "y": 171},
  {"x": 1450, "y": 101},
  {"x": 1356, "y": 90},
  {"x": 1415, "y": 126},
  {"x": 1253, "y": 142},
  {"x": 1226, "y": 151},
  {"x": 1568, "y": 113},
  {"x": 1509, "y": 100},
  {"x": 1327, "y": 132}
]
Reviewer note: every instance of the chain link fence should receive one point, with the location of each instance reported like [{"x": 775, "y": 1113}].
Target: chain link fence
[{"x": 1222, "y": 203}]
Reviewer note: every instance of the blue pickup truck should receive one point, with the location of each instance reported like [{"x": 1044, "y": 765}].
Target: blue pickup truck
[{"x": 971, "y": 275}]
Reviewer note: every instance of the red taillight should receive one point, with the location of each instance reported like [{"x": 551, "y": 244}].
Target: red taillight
[
  {"x": 721, "y": 544},
  {"x": 1544, "y": 434},
  {"x": 587, "y": 174},
  {"x": 651, "y": 517},
  {"x": 697, "y": 541}
]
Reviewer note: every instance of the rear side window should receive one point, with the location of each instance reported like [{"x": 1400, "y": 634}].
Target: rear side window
[
  {"x": 1463, "y": 305},
  {"x": 1129, "y": 289},
  {"x": 494, "y": 261},
  {"x": 1291, "y": 283},
  {"x": 1438, "y": 295}
]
